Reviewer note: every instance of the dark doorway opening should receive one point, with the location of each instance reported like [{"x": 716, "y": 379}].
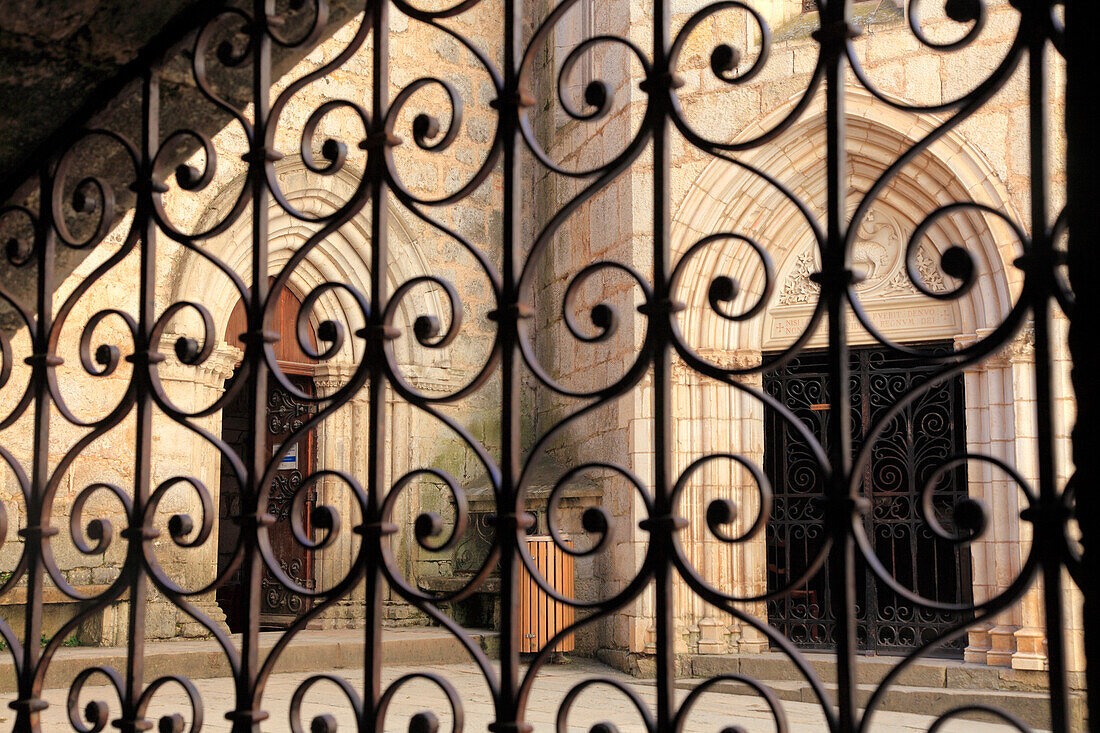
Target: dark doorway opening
[
  {"x": 286, "y": 414},
  {"x": 904, "y": 458}
]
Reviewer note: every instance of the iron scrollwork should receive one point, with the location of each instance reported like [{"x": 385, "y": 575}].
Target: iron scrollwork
[
  {"x": 286, "y": 414},
  {"x": 913, "y": 447},
  {"x": 76, "y": 210}
]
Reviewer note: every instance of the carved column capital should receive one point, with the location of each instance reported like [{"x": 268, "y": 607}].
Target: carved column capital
[
  {"x": 732, "y": 358},
  {"x": 1022, "y": 348},
  {"x": 213, "y": 372},
  {"x": 428, "y": 384},
  {"x": 327, "y": 378}
]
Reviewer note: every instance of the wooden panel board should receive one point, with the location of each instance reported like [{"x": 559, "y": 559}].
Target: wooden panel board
[{"x": 540, "y": 615}]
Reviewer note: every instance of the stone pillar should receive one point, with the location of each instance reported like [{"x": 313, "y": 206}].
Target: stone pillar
[
  {"x": 1000, "y": 419},
  {"x": 635, "y": 628},
  {"x": 181, "y": 452},
  {"x": 1030, "y": 639},
  {"x": 711, "y": 418},
  {"x": 980, "y": 488},
  {"x": 340, "y": 445},
  {"x": 754, "y": 552},
  {"x": 1065, "y": 415},
  {"x": 1004, "y": 442},
  {"x": 991, "y": 420}
]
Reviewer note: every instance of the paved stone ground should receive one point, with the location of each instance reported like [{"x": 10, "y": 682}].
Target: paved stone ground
[{"x": 713, "y": 712}]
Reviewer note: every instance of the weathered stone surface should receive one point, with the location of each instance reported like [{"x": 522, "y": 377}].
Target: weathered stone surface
[
  {"x": 65, "y": 63},
  {"x": 310, "y": 651},
  {"x": 985, "y": 162}
]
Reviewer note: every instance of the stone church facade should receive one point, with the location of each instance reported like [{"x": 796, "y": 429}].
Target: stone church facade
[{"x": 983, "y": 160}]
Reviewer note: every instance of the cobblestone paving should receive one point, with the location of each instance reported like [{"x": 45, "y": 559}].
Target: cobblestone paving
[{"x": 713, "y": 712}]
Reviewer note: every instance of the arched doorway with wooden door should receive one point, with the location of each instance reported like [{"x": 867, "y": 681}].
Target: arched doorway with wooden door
[
  {"x": 339, "y": 441},
  {"x": 279, "y": 607}
]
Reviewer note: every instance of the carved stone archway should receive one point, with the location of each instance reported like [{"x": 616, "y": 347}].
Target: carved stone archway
[
  {"x": 713, "y": 417},
  {"x": 344, "y": 257}
]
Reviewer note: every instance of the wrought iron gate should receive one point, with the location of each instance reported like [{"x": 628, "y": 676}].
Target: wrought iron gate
[
  {"x": 63, "y": 216},
  {"x": 910, "y": 451}
]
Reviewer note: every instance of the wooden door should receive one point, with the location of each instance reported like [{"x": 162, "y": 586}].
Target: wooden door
[{"x": 285, "y": 414}]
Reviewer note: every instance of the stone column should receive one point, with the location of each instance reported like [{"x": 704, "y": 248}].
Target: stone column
[
  {"x": 980, "y": 488},
  {"x": 1000, "y": 418},
  {"x": 1030, "y": 640},
  {"x": 340, "y": 445},
  {"x": 712, "y": 417},
  {"x": 991, "y": 430},
  {"x": 1004, "y": 443},
  {"x": 754, "y": 552},
  {"x": 181, "y": 452},
  {"x": 1065, "y": 415}
]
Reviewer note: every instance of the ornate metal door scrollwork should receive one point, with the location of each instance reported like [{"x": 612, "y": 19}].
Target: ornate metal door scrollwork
[
  {"x": 287, "y": 414},
  {"x": 905, "y": 456}
]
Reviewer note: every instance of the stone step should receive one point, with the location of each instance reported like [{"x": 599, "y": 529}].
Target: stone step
[
  {"x": 1032, "y": 708},
  {"x": 309, "y": 651},
  {"x": 872, "y": 670}
]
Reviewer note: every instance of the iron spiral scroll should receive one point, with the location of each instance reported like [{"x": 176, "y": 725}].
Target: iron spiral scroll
[{"x": 85, "y": 214}]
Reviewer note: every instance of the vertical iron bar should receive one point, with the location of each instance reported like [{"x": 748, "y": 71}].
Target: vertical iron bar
[
  {"x": 872, "y": 615},
  {"x": 29, "y": 705},
  {"x": 143, "y": 405},
  {"x": 509, "y": 716},
  {"x": 376, "y": 458},
  {"x": 1082, "y": 163},
  {"x": 1049, "y": 526},
  {"x": 835, "y": 278},
  {"x": 247, "y": 716},
  {"x": 662, "y": 375}
]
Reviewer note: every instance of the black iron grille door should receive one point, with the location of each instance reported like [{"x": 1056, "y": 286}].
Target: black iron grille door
[
  {"x": 497, "y": 259},
  {"x": 907, "y": 455}
]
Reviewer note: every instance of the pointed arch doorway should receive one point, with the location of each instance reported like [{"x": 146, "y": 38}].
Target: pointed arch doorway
[{"x": 278, "y": 606}]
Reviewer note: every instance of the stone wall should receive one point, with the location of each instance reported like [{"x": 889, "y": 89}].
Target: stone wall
[
  {"x": 416, "y": 249},
  {"x": 984, "y": 159}
]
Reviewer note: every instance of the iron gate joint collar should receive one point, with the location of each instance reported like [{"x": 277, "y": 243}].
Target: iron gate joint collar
[
  {"x": 50, "y": 360},
  {"x": 667, "y": 523},
  {"x": 247, "y": 716},
  {"x": 380, "y": 332},
  {"x": 1053, "y": 511},
  {"x": 838, "y": 31},
  {"x": 836, "y": 279},
  {"x": 30, "y": 704},
  {"x": 148, "y": 186},
  {"x": 375, "y": 529},
  {"x": 145, "y": 358},
  {"x": 512, "y": 522},
  {"x": 262, "y": 154},
  {"x": 140, "y": 533},
  {"x": 381, "y": 139},
  {"x": 255, "y": 520},
  {"x": 138, "y": 724},
  {"x": 38, "y": 531},
  {"x": 664, "y": 306},
  {"x": 516, "y": 311},
  {"x": 847, "y": 506},
  {"x": 261, "y": 337},
  {"x": 516, "y": 726},
  {"x": 661, "y": 81},
  {"x": 518, "y": 99}
]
